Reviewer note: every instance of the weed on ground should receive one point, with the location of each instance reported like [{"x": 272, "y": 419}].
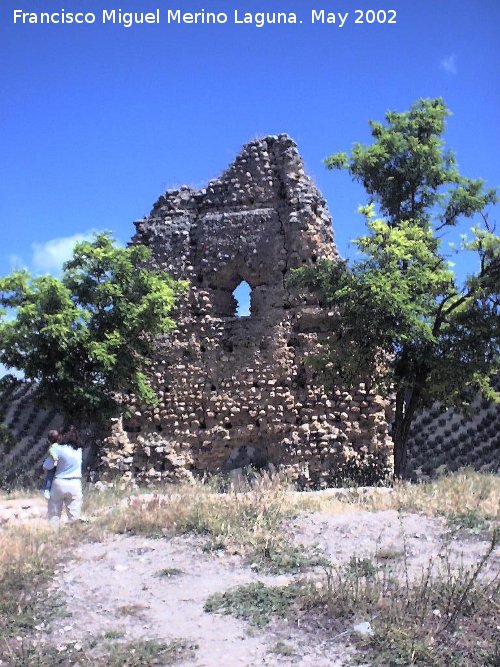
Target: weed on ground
[
  {"x": 255, "y": 602},
  {"x": 249, "y": 523},
  {"x": 169, "y": 572},
  {"x": 145, "y": 654},
  {"x": 281, "y": 648},
  {"x": 470, "y": 522},
  {"x": 132, "y": 610},
  {"x": 113, "y": 634},
  {"x": 448, "y": 619},
  {"x": 139, "y": 653}
]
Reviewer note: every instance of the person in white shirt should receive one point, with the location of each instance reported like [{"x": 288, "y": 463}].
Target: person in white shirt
[
  {"x": 52, "y": 437},
  {"x": 66, "y": 490}
]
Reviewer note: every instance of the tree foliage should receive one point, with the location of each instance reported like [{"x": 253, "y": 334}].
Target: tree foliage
[
  {"x": 404, "y": 317},
  {"x": 88, "y": 335}
]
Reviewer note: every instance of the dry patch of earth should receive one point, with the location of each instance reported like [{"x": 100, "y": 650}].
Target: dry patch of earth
[
  {"x": 137, "y": 588},
  {"x": 411, "y": 542}
]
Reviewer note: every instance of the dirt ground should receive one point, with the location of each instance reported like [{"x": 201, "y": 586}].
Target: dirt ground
[
  {"x": 115, "y": 586},
  {"x": 385, "y": 537},
  {"x": 21, "y": 510}
]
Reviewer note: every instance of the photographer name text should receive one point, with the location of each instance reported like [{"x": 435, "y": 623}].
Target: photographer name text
[{"x": 237, "y": 17}]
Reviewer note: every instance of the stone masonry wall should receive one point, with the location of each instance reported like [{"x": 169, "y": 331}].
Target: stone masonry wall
[{"x": 235, "y": 390}]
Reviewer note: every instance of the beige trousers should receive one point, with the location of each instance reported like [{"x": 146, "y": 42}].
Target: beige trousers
[{"x": 66, "y": 492}]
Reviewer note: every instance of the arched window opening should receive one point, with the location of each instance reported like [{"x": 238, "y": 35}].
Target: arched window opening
[{"x": 243, "y": 295}]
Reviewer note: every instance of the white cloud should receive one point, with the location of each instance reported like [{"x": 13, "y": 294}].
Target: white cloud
[
  {"x": 16, "y": 262},
  {"x": 49, "y": 257},
  {"x": 449, "y": 64}
]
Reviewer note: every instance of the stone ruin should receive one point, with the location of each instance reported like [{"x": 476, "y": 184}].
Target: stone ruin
[
  {"x": 235, "y": 391},
  {"x": 238, "y": 390},
  {"x": 443, "y": 441},
  {"x": 23, "y": 432}
]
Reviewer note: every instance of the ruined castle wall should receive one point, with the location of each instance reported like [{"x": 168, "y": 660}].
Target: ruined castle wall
[
  {"x": 238, "y": 390},
  {"x": 443, "y": 441}
]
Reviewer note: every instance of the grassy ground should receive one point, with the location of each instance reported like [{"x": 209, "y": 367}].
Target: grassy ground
[
  {"x": 444, "y": 620},
  {"x": 448, "y": 619},
  {"x": 249, "y": 523},
  {"x": 29, "y": 558},
  {"x": 464, "y": 493},
  {"x": 118, "y": 653}
]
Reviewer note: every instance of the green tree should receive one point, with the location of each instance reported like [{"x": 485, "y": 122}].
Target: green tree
[
  {"x": 404, "y": 317},
  {"x": 87, "y": 336}
]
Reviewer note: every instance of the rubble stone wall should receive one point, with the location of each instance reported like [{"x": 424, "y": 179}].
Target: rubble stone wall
[
  {"x": 23, "y": 433},
  {"x": 443, "y": 441},
  {"x": 232, "y": 390}
]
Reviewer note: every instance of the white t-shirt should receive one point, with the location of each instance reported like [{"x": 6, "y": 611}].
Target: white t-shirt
[{"x": 67, "y": 459}]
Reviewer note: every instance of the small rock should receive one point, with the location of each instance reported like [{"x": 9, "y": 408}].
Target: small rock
[{"x": 364, "y": 628}]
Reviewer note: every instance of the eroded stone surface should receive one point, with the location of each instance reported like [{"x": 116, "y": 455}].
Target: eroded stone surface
[{"x": 235, "y": 390}]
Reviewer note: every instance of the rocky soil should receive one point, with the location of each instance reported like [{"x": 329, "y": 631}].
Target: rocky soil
[{"x": 133, "y": 587}]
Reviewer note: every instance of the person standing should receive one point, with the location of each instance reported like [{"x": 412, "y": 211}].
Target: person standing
[
  {"x": 66, "y": 457},
  {"x": 52, "y": 437}
]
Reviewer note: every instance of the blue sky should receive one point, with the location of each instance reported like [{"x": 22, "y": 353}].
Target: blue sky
[{"x": 97, "y": 121}]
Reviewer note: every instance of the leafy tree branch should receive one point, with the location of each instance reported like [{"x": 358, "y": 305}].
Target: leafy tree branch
[
  {"x": 88, "y": 336},
  {"x": 403, "y": 318}
]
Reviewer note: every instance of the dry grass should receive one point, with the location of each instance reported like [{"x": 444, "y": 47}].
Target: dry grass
[
  {"x": 27, "y": 560},
  {"x": 464, "y": 492},
  {"x": 99, "y": 501},
  {"x": 249, "y": 522},
  {"x": 252, "y": 521},
  {"x": 198, "y": 508},
  {"x": 447, "y": 618},
  {"x": 15, "y": 492}
]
